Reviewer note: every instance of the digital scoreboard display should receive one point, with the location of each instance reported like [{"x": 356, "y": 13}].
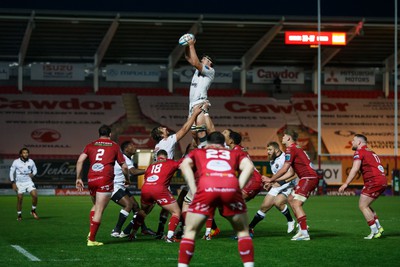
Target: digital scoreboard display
[{"x": 312, "y": 38}]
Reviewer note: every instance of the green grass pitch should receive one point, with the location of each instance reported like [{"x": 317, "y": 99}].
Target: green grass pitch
[{"x": 336, "y": 225}]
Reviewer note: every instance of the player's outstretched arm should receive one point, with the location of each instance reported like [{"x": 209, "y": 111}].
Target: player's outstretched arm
[
  {"x": 186, "y": 127},
  {"x": 191, "y": 55}
]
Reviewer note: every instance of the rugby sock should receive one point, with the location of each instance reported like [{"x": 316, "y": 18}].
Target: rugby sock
[
  {"x": 286, "y": 213},
  {"x": 186, "y": 250},
  {"x": 208, "y": 231},
  {"x": 123, "y": 214},
  {"x": 373, "y": 227},
  {"x": 19, "y": 212},
  {"x": 91, "y": 214},
  {"x": 129, "y": 227},
  {"x": 137, "y": 222},
  {"x": 257, "y": 218},
  {"x": 94, "y": 226},
  {"x": 33, "y": 207},
  {"x": 173, "y": 223},
  {"x": 302, "y": 221},
  {"x": 214, "y": 225},
  {"x": 246, "y": 250},
  {"x": 161, "y": 224},
  {"x": 377, "y": 221},
  {"x": 209, "y": 221}
]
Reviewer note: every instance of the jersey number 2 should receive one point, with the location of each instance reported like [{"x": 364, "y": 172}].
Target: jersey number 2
[{"x": 99, "y": 155}]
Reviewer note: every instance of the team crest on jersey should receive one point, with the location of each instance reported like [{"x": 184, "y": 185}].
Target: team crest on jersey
[
  {"x": 287, "y": 157},
  {"x": 277, "y": 166}
]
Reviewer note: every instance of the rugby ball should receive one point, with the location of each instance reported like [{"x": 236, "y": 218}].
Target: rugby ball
[{"x": 185, "y": 38}]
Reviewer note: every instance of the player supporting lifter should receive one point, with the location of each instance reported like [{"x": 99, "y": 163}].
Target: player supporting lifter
[
  {"x": 217, "y": 185},
  {"x": 155, "y": 190},
  {"x": 166, "y": 141}
]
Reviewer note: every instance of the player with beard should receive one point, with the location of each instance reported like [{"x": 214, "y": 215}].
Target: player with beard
[
  {"x": 166, "y": 141},
  {"x": 375, "y": 182},
  {"x": 297, "y": 158},
  {"x": 278, "y": 193},
  {"x": 22, "y": 171}
]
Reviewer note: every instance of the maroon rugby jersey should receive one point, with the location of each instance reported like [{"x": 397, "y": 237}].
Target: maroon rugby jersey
[
  {"x": 371, "y": 168},
  {"x": 161, "y": 173},
  {"x": 102, "y": 155},
  {"x": 300, "y": 162},
  {"x": 219, "y": 162},
  {"x": 256, "y": 174}
]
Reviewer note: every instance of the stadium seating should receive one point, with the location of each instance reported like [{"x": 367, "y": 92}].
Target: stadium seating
[
  {"x": 58, "y": 90},
  {"x": 211, "y": 92},
  {"x": 136, "y": 91},
  {"x": 133, "y": 129},
  {"x": 352, "y": 93},
  {"x": 9, "y": 90},
  {"x": 256, "y": 94}
]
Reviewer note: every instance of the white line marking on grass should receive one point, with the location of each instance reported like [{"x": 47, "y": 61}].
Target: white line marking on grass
[{"x": 25, "y": 253}]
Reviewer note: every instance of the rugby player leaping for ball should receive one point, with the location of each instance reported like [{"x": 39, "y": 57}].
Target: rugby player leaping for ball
[{"x": 201, "y": 81}]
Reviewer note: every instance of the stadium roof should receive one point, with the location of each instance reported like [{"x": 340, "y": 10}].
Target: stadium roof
[{"x": 253, "y": 40}]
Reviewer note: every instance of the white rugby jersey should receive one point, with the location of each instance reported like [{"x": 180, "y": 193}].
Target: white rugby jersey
[
  {"x": 277, "y": 163},
  {"x": 200, "y": 84},
  {"x": 167, "y": 145},
  {"x": 119, "y": 177},
  {"x": 20, "y": 170}
]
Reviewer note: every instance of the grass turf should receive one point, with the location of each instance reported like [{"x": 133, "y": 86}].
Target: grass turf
[{"x": 336, "y": 225}]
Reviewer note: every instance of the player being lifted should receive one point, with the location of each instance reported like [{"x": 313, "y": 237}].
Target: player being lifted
[{"x": 201, "y": 81}]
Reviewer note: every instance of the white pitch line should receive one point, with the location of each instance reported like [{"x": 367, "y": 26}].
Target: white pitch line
[{"x": 25, "y": 253}]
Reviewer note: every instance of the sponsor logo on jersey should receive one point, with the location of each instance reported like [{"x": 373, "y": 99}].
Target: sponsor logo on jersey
[
  {"x": 218, "y": 165},
  {"x": 152, "y": 178},
  {"x": 97, "y": 167}
]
